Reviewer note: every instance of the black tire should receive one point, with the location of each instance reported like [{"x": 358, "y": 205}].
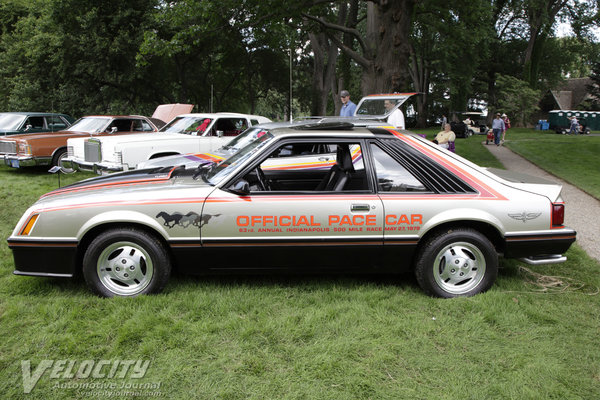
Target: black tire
[
  {"x": 126, "y": 262},
  {"x": 456, "y": 263},
  {"x": 58, "y": 156}
]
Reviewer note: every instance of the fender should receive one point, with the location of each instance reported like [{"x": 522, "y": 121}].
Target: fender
[
  {"x": 134, "y": 217},
  {"x": 462, "y": 214}
]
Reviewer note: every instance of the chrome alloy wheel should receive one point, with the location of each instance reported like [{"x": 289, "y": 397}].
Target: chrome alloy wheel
[
  {"x": 125, "y": 268},
  {"x": 459, "y": 267}
]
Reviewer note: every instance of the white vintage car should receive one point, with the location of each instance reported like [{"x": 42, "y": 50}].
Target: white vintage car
[
  {"x": 392, "y": 201},
  {"x": 184, "y": 134}
]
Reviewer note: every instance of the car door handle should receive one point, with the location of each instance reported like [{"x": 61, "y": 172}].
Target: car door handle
[
  {"x": 360, "y": 207},
  {"x": 323, "y": 159}
]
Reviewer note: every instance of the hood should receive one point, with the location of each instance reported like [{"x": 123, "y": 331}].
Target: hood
[
  {"x": 132, "y": 184},
  {"x": 528, "y": 183}
]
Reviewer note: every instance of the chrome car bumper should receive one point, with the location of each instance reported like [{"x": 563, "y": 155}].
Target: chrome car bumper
[
  {"x": 15, "y": 161},
  {"x": 78, "y": 165}
]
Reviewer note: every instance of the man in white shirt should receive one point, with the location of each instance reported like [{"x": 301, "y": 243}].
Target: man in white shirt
[{"x": 396, "y": 118}]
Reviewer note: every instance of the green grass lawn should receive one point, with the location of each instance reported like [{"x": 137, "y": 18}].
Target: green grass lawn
[
  {"x": 576, "y": 159},
  {"x": 307, "y": 337}
]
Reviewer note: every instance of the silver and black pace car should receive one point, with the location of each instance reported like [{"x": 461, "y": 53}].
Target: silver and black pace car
[{"x": 389, "y": 201}]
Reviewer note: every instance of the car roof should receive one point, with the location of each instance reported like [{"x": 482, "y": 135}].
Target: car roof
[
  {"x": 34, "y": 113},
  {"x": 329, "y": 129},
  {"x": 219, "y": 114}
]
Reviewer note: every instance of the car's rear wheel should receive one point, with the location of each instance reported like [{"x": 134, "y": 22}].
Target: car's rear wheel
[
  {"x": 126, "y": 262},
  {"x": 456, "y": 262}
]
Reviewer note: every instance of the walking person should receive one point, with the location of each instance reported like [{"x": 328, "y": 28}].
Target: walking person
[
  {"x": 574, "y": 126},
  {"x": 444, "y": 121},
  {"x": 348, "y": 107},
  {"x": 497, "y": 128},
  {"x": 506, "y": 126}
]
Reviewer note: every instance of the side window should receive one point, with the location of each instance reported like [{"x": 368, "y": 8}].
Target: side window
[
  {"x": 254, "y": 122},
  {"x": 139, "y": 125},
  {"x": 56, "y": 123},
  {"x": 122, "y": 125},
  {"x": 391, "y": 175},
  {"x": 230, "y": 126},
  {"x": 35, "y": 122},
  {"x": 311, "y": 167},
  {"x": 146, "y": 127}
]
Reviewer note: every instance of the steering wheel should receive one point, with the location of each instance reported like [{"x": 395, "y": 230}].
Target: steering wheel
[{"x": 263, "y": 182}]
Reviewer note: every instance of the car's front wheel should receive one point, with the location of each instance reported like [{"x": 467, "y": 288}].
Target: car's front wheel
[
  {"x": 126, "y": 262},
  {"x": 456, "y": 262},
  {"x": 58, "y": 157}
]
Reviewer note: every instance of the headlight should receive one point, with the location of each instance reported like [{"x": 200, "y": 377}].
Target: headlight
[{"x": 24, "y": 148}]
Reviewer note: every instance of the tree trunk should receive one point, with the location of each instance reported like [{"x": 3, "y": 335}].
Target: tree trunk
[{"x": 388, "y": 51}]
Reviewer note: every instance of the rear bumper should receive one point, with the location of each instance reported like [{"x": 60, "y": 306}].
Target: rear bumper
[
  {"x": 44, "y": 258},
  {"x": 539, "y": 246}
]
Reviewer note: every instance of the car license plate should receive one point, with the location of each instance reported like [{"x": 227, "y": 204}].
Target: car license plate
[{"x": 14, "y": 163}]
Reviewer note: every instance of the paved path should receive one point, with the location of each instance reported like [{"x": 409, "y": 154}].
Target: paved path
[{"x": 582, "y": 211}]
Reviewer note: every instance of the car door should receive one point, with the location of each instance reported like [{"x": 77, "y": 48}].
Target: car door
[{"x": 303, "y": 224}]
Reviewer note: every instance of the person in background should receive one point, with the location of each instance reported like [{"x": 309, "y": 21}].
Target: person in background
[
  {"x": 574, "y": 126},
  {"x": 396, "y": 118},
  {"x": 348, "y": 107},
  {"x": 506, "y": 125},
  {"x": 444, "y": 121},
  {"x": 444, "y": 137},
  {"x": 498, "y": 128}
]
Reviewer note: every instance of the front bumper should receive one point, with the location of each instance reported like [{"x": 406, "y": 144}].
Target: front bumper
[
  {"x": 15, "y": 161},
  {"x": 98, "y": 168},
  {"x": 44, "y": 258}
]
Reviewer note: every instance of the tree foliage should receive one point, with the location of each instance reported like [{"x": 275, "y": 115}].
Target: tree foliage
[
  {"x": 109, "y": 56},
  {"x": 517, "y": 99}
]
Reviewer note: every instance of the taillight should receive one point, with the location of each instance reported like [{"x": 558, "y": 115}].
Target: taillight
[{"x": 558, "y": 215}]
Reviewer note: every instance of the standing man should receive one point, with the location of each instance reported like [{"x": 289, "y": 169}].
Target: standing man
[
  {"x": 396, "y": 118},
  {"x": 498, "y": 128},
  {"x": 348, "y": 107}
]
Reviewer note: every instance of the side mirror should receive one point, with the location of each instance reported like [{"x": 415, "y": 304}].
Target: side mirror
[
  {"x": 220, "y": 133},
  {"x": 28, "y": 127},
  {"x": 113, "y": 129},
  {"x": 241, "y": 188}
]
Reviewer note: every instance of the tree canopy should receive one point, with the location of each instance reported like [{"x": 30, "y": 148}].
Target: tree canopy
[{"x": 108, "y": 56}]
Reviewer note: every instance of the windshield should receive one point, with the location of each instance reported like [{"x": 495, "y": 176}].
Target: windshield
[
  {"x": 188, "y": 125},
  {"x": 250, "y": 135},
  {"x": 226, "y": 167},
  {"x": 89, "y": 124},
  {"x": 11, "y": 122}
]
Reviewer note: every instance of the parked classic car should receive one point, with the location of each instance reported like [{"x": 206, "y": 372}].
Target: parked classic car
[
  {"x": 48, "y": 148},
  {"x": 13, "y": 123},
  {"x": 407, "y": 204},
  {"x": 184, "y": 134}
]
